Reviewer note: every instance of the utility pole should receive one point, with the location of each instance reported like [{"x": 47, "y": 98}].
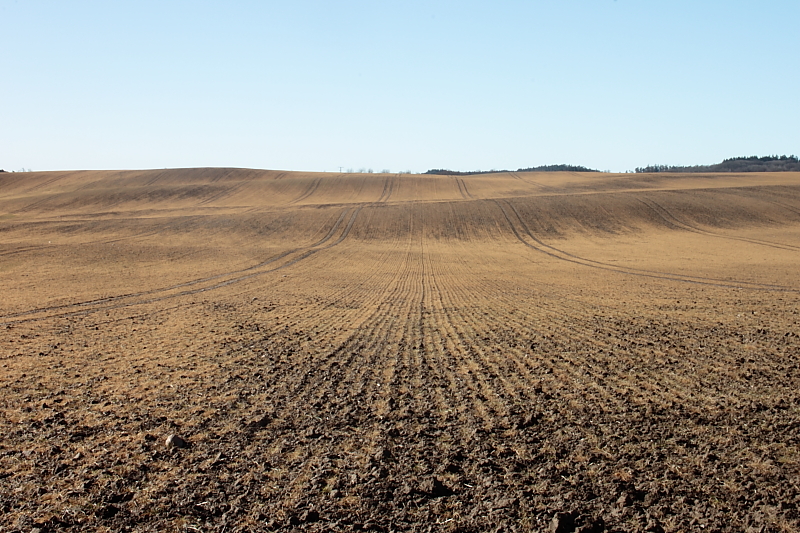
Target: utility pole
[{"x": 340, "y": 170}]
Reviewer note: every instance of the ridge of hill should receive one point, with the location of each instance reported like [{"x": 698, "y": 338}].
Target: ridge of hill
[{"x": 603, "y": 197}]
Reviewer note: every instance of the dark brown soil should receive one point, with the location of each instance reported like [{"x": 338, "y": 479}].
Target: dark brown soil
[{"x": 423, "y": 366}]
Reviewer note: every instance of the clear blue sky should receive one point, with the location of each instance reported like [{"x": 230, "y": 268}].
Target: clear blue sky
[{"x": 402, "y": 85}]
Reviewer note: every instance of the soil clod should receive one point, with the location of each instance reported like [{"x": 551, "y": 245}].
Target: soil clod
[{"x": 176, "y": 441}]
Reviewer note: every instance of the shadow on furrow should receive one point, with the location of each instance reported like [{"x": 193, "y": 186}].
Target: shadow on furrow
[
  {"x": 674, "y": 221},
  {"x": 571, "y": 258},
  {"x": 117, "y": 302}
]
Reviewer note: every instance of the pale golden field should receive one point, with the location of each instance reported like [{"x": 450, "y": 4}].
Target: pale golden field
[{"x": 531, "y": 352}]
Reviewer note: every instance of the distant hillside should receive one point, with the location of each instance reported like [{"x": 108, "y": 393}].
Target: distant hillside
[
  {"x": 557, "y": 168},
  {"x": 543, "y": 168},
  {"x": 774, "y": 163}
]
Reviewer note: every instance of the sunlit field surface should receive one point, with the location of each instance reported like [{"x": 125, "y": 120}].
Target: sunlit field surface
[{"x": 513, "y": 351}]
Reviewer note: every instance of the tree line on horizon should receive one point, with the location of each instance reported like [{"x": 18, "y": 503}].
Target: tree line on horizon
[
  {"x": 754, "y": 163},
  {"x": 543, "y": 168},
  {"x": 770, "y": 163}
]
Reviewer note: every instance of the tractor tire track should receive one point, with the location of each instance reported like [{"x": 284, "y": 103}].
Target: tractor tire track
[
  {"x": 464, "y": 352},
  {"x": 508, "y": 329},
  {"x": 465, "y": 189},
  {"x": 116, "y": 302},
  {"x": 674, "y": 221},
  {"x": 569, "y": 367},
  {"x": 462, "y": 188},
  {"x": 571, "y": 258},
  {"x": 341, "y": 385},
  {"x": 33, "y": 248},
  {"x": 388, "y": 186},
  {"x": 224, "y": 193},
  {"x": 308, "y": 192},
  {"x": 585, "y": 357},
  {"x": 543, "y": 188}
]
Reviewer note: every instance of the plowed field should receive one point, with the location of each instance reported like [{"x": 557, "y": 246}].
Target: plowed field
[{"x": 531, "y": 352}]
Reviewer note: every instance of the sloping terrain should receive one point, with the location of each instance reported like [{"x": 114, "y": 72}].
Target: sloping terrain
[{"x": 520, "y": 351}]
